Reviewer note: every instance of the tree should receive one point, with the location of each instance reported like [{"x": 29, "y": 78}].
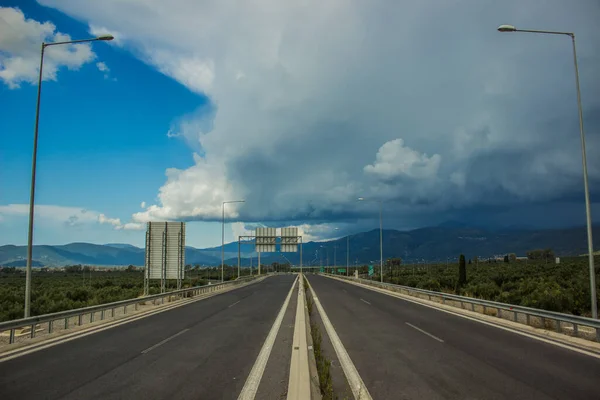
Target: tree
[
  {"x": 462, "y": 271},
  {"x": 512, "y": 257},
  {"x": 469, "y": 261},
  {"x": 540, "y": 254},
  {"x": 506, "y": 259}
]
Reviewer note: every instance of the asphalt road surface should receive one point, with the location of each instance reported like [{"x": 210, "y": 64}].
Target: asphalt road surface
[
  {"x": 404, "y": 350},
  {"x": 204, "y": 350}
]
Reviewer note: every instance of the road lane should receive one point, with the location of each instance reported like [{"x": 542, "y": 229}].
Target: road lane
[
  {"x": 210, "y": 358},
  {"x": 473, "y": 361}
]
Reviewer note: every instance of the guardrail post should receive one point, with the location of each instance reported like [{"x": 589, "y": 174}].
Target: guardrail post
[
  {"x": 80, "y": 319},
  {"x": 558, "y": 327},
  {"x": 499, "y": 312},
  {"x": 484, "y": 309},
  {"x": 472, "y": 306},
  {"x": 92, "y": 317},
  {"x": 113, "y": 313},
  {"x": 33, "y": 331},
  {"x": 102, "y": 315},
  {"x": 136, "y": 307},
  {"x": 515, "y": 316},
  {"x": 11, "y": 337},
  {"x": 576, "y": 329},
  {"x": 597, "y": 335},
  {"x": 528, "y": 319},
  {"x": 125, "y": 309},
  {"x": 67, "y": 323},
  {"x": 50, "y": 323}
]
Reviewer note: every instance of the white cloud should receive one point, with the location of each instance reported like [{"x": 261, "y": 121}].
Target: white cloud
[
  {"x": 116, "y": 222},
  {"x": 69, "y": 216},
  {"x": 143, "y": 204},
  {"x": 133, "y": 226},
  {"x": 102, "y": 66},
  {"x": 66, "y": 215},
  {"x": 118, "y": 225},
  {"x": 306, "y": 93},
  {"x": 20, "y": 41},
  {"x": 395, "y": 160}
]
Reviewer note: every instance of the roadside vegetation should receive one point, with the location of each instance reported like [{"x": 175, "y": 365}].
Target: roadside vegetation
[
  {"x": 323, "y": 364},
  {"x": 536, "y": 282},
  {"x": 77, "y": 286}
]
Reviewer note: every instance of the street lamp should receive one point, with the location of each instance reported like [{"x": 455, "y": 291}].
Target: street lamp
[
  {"x": 380, "y": 237},
  {"x": 511, "y": 28},
  {"x": 223, "y": 234},
  {"x": 33, "y": 168}
]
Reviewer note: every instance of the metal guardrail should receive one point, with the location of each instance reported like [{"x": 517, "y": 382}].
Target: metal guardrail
[
  {"x": 501, "y": 308},
  {"x": 32, "y": 322}
]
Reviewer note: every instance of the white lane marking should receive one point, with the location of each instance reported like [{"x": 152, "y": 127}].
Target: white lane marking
[
  {"x": 363, "y": 300},
  {"x": 231, "y": 305},
  {"x": 164, "y": 341},
  {"x": 518, "y": 332},
  {"x": 11, "y": 354},
  {"x": 251, "y": 386},
  {"x": 356, "y": 383},
  {"x": 426, "y": 333}
]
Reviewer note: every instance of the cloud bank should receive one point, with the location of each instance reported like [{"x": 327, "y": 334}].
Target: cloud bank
[{"x": 422, "y": 104}]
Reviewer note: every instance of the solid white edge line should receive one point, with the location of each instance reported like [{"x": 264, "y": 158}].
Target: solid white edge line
[
  {"x": 164, "y": 341},
  {"x": 254, "y": 377},
  {"x": 363, "y": 300},
  {"x": 541, "y": 339},
  {"x": 231, "y": 305},
  {"x": 358, "y": 387},
  {"x": 34, "y": 347},
  {"x": 426, "y": 333}
]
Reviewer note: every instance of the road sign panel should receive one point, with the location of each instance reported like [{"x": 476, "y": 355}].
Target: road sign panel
[{"x": 371, "y": 271}]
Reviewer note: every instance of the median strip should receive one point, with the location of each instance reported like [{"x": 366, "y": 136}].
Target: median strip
[{"x": 299, "y": 382}]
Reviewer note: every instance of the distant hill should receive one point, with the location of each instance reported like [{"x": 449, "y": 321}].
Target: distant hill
[
  {"x": 431, "y": 244},
  {"x": 89, "y": 254},
  {"x": 121, "y": 245}
]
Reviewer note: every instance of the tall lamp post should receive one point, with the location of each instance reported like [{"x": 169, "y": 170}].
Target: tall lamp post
[
  {"x": 380, "y": 237},
  {"x": 33, "y": 167},
  {"x": 223, "y": 233},
  {"x": 511, "y": 28}
]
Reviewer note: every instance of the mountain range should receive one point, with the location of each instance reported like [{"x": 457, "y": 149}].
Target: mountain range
[{"x": 430, "y": 244}]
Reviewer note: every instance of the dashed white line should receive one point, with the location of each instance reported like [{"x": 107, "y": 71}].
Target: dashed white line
[
  {"x": 164, "y": 341},
  {"x": 363, "y": 300},
  {"x": 426, "y": 333},
  {"x": 231, "y": 305}
]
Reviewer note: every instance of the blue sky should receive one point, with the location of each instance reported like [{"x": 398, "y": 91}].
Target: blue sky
[
  {"x": 103, "y": 143},
  {"x": 298, "y": 108}
]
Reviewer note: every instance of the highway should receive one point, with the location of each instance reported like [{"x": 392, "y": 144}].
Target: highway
[
  {"x": 403, "y": 350},
  {"x": 203, "y": 350}
]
